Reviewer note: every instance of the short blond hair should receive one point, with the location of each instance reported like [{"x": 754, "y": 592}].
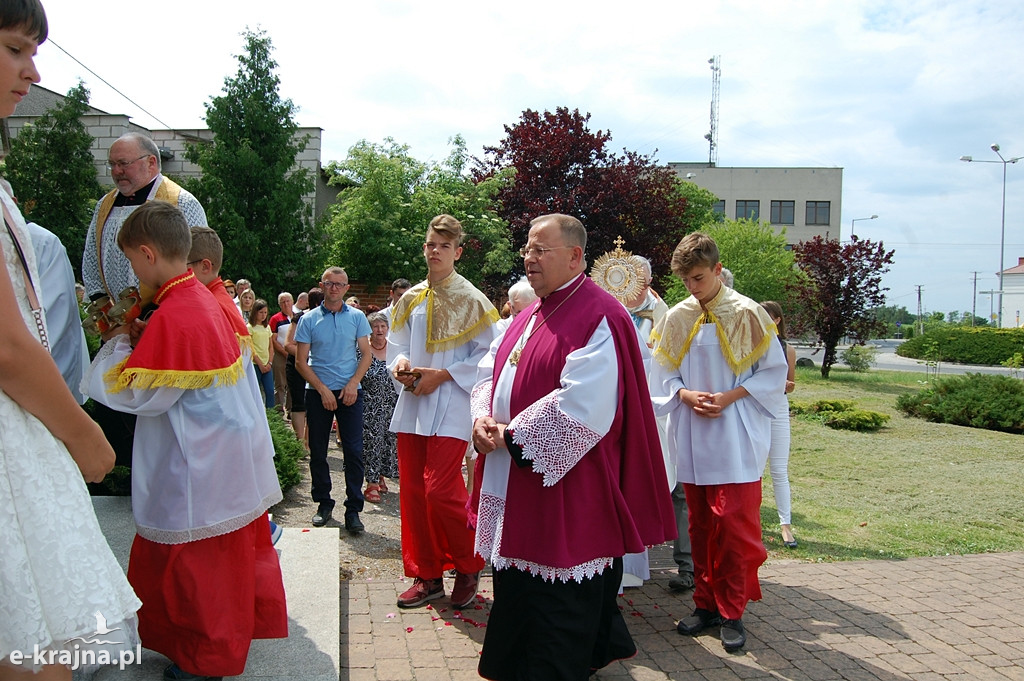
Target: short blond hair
[
  {"x": 447, "y": 226},
  {"x": 697, "y": 249}
]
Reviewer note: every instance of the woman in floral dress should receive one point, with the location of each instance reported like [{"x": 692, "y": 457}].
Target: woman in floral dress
[{"x": 379, "y": 399}]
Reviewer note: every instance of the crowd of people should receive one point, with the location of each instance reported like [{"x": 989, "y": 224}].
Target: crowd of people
[{"x": 594, "y": 426}]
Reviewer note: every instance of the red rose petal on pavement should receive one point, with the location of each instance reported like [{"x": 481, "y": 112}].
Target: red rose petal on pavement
[
  {"x": 306, "y": 530},
  {"x": 408, "y": 630},
  {"x": 447, "y": 624},
  {"x": 430, "y": 607}
]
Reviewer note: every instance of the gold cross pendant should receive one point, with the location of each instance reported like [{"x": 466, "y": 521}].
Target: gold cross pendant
[{"x": 513, "y": 358}]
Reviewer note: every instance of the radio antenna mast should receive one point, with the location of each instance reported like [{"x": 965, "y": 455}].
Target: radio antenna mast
[{"x": 712, "y": 137}]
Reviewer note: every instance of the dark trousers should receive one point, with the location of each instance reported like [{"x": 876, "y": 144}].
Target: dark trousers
[
  {"x": 681, "y": 546},
  {"x": 350, "y": 431}
]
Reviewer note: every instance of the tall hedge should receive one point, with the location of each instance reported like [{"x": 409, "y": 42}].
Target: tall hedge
[{"x": 965, "y": 345}]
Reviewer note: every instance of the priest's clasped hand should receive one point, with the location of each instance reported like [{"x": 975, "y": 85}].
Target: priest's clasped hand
[{"x": 488, "y": 434}]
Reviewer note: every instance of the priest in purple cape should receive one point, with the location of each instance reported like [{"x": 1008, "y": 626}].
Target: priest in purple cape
[{"x": 570, "y": 469}]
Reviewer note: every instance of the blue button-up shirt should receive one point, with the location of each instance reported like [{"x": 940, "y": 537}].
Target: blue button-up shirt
[{"x": 332, "y": 338}]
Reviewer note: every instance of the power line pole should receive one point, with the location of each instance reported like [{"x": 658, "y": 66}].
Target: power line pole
[
  {"x": 920, "y": 320},
  {"x": 974, "y": 299}
]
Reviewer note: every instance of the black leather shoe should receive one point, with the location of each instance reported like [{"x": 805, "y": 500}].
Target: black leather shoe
[
  {"x": 700, "y": 620},
  {"x": 681, "y": 582},
  {"x": 732, "y": 634},
  {"x": 353, "y": 524},
  {"x": 323, "y": 514},
  {"x": 175, "y": 673}
]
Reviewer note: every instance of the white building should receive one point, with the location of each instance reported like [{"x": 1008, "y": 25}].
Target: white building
[
  {"x": 806, "y": 201},
  {"x": 105, "y": 128},
  {"x": 1013, "y": 295}
]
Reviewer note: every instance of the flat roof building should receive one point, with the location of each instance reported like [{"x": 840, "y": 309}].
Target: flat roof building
[{"x": 807, "y": 202}]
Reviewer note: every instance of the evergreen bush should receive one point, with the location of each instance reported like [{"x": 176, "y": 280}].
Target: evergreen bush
[
  {"x": 966, "y": 345},
  {"x": 856, "y": 419},
  {"x": 840, "y": 414},
  {"x": 287, "y": 450},
  {"x": 973, "y": 400}
]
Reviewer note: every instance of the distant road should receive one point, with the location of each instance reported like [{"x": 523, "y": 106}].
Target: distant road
[{"x": 888, "y": 360}]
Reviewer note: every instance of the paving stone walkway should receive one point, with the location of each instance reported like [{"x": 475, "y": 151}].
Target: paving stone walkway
[{"x": 957, "y": 617}]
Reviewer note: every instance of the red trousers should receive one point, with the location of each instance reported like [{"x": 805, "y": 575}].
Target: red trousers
[
  {"x": 725, "y": 539},
  {"x": 435, "y": 534},
  {"x": 203, "y": 602}
]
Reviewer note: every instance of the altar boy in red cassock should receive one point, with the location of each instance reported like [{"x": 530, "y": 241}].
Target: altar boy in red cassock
[{"x": 203, "y": 473}]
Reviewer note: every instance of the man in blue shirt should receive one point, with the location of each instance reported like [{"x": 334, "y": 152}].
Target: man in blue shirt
[{"x": 327, "y": 339}]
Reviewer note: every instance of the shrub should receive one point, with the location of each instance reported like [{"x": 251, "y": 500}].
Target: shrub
[
  {"x": 856, "y": 419},
  {"x": 859, "y": 358},
  {"x": 974, "y": 400},
  {"x": 821, "y": 406},
  {"x": 287, "y": 450},
  {"x": 966, "y": 345},
  {"x": 840, "y": 414}
]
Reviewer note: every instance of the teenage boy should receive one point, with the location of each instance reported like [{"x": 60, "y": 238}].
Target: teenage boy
[
  {"x": 719, "y": 375},
  {"x": 203, "y": 472},
  {"x": 441, "y": 329}
]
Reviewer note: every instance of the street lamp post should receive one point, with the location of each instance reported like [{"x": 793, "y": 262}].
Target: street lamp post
[
  {"x": 855, "y": 221},
  {"x": 1002, "y": 225}
]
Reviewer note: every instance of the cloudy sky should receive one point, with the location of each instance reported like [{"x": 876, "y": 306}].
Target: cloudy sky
[{"x": 892, "y": 92}]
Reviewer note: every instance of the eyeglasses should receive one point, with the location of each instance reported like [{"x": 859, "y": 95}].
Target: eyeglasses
[
  {"x": 526, "y": 252},
  {"x": 121, "y": 165},
  {"x": 335, "y": 284},
  {"x": 193, "y": 262}
]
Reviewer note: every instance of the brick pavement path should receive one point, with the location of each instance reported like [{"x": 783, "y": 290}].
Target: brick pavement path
[{"x": 958, "y": 617}]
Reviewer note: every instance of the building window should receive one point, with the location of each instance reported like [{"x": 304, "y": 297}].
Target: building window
[
  {"x": 748, "y": 208},
  {"x": 782, "y": 212},
  {"x": 719, "y": 207},
  {"x": 818, "y": 212}
]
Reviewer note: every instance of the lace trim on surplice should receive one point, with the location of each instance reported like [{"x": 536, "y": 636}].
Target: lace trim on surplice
[
  {"x": 488, "y": 543},
  {"x": 480, "y": 400},
  {"x": 553, "y": 440}
]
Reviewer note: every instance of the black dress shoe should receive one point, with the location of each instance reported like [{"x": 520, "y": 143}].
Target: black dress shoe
[
  {"x": 175, "y": 673},
  {"x": 323, "y": 514},
  {"x": 700, "y": 620},
  {"x": 790, "y": 544},
  {"x": 353, "y": 524},
  {"x": 732, "y": 634}
]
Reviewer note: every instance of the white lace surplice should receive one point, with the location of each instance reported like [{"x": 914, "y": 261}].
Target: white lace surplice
[
  {"x": 555, "y": 433},
  {"x": 56, "y": 569}
]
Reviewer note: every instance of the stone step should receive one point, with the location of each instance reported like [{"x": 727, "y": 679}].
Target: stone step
[{"x": 309, "y": 564}]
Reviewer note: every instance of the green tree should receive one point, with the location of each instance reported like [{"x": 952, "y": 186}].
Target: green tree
[
  {"x": 377, "y": 225},
  {"x": 251, "y": 186},
  {"x": 699, "y": 213},
  {"x": 757, "y": 257},
  {"x": 51, "y": 169}
]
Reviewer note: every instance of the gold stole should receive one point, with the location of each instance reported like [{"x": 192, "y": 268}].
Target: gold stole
[
  {"x": 456, "y": 311},
  {"x": 743, "y": 328},
  {"x": 165, "y": 191}
]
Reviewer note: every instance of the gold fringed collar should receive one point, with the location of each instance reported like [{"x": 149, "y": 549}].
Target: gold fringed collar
[
  {"x": 139, "y": 378},
  {"x": 457, "y": 311},
  {"x": 743, "y": 328}
]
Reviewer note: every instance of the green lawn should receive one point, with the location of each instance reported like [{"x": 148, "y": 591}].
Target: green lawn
[{"x": 912, "y": 489}]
